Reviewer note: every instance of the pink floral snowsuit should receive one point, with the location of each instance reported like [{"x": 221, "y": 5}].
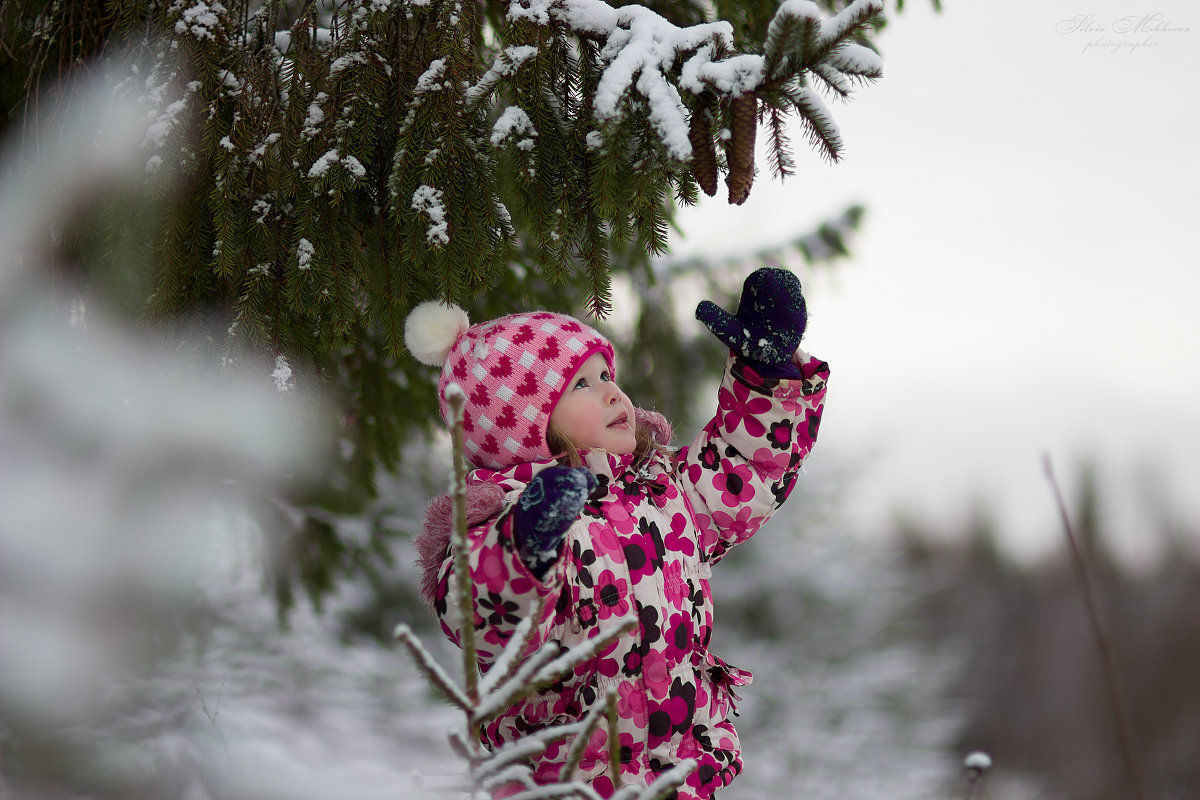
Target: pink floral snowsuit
[{"x": 646, "y": 542}]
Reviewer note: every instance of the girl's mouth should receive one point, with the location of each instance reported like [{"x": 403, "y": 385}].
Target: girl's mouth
[{"x": 619, "y": 421}]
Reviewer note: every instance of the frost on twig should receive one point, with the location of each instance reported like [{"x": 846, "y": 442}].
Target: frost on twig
[
  {"x": 432, "y": 670},
  {"x": 591, "y": 721}
]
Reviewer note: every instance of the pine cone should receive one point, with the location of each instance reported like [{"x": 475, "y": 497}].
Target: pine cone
[
  {"x": 739, "y": 151},
  {"x": 704, "y": 155}
]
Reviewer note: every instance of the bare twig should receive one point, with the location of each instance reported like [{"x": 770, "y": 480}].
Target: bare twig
[
  {"x": 462, "y": 565},
  {"x": 977, "y": 763},
  {"x": 1116, "y": 695}
]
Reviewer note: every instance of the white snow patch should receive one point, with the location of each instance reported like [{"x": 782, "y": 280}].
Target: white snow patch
[
  {"x": 429, "y": 201},
  {"x": 354, "y": 166},
  {"x": 304, "y": 253},
  {"x": 322, "y": 164},
  {"x": 315, "y": 116},
  {"x": 514, "y": 123},
  {"x": 430, "y": 80},
  {"x": 282, "y": 374},
  {"x": 200, "y": 20},
  {"x": 507, "y": 63},
  {"x": 257, "y": 153}
]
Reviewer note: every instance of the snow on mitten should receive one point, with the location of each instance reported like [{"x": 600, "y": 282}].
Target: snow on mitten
[
  {"x": 544, "y": 511},
  {"x": 769, "y": 323}
]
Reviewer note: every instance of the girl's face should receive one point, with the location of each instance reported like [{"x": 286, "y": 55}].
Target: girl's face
[{"x": 593, "y": 412}]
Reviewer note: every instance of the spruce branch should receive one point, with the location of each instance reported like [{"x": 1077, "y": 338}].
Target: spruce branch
[
  {"x": 662, "y": 786},
  {"x": 779, "y": 151},
  {"x": 835, "y": 80},
  {"x": 583, "y": 651},
  {"x": 823, "y": 132},
  {"x": 793, "y": 33},
  {"x": 432, "y": 670},
  {"x": 503, "y": 759},
  {"x": 509, "y": 661},
  {"x": 591, "y": 721}
]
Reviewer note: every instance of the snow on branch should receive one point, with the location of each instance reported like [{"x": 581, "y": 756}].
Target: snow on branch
[
  {"x": 432, "y": 670},
  {"x": 506, "y": 64},
  {"x": 581, "y": 652},
  {"x": 665, "y": 783},
  {"x": 823, "y": 131}
]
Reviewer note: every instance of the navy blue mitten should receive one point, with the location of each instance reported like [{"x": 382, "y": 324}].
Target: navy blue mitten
[
  {"x": 769, "y": 323},
  {"x": 544, "y": 511}
]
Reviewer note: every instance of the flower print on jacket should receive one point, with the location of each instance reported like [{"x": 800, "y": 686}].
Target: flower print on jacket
[
  {"x": 645, "y": 546},
  {"x": 780, "y": 435},
  {"x": 740, "y": 407},
  {"x": 736, "y": 485}
]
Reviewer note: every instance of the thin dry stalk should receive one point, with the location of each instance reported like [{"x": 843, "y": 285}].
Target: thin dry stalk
[
  {"x": 1116, "y": 694},
  {"x": 614, "y": 741},
  {"x": 458, "y": 541}
]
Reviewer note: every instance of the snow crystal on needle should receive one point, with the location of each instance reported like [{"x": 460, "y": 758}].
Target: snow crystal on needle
[
  {"x": 315, "y": 116},
  {"x": 536, "y": 11},
  {"x": 428, "y": 201},
  {"x": 354, "y": 166},
  {"x": 322, "y": 164},
  {"x": 835, "y": 27},
  {"x": 589, "y": 16},
  {"x": 342, "y": 62},
  {"x": 978, "y": 760},
  {"x": 733, "y": 75},
  {"x": 816, "y": 109},
  {"x": 282, "y": 374},
  {"x": 304, "y": 253},
  {"x": 158, "y": 130},
  {"x": 505, "y": 64},
  {"x": 430, "y": 80},
  {"x": 856, "y": 59},
  {"x": 514, "y": 122},
  {"x": 200, "y": 20}
]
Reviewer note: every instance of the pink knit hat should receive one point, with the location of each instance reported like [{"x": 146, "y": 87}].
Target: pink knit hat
[{"x": 512, "y": 371}]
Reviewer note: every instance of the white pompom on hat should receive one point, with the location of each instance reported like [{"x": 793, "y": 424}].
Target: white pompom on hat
[{"x": 432, "y": 329}]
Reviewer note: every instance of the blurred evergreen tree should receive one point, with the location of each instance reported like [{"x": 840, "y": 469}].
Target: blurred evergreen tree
[{"x": 314, "y": 169}]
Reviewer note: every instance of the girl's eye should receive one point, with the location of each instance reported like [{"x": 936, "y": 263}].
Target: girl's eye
[
  {"x": 604, "y": 376},
  {"x": 581, "y": 383}
]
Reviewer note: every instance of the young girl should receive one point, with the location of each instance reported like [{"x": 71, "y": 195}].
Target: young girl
[{"x": 578, "y": 499}]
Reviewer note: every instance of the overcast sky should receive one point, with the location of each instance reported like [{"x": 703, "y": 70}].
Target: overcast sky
[{"x": 1027, "y": 279}]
